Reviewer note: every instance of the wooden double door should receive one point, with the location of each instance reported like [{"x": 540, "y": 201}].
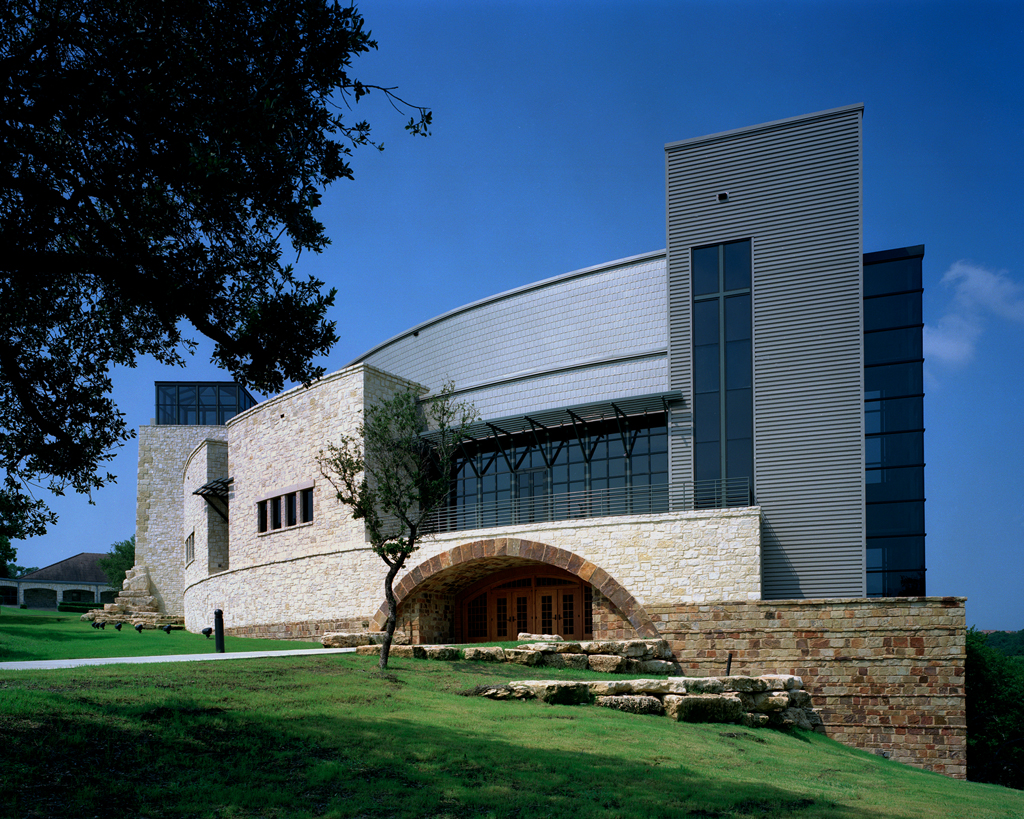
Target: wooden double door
[{"x": 535, "y": 601}]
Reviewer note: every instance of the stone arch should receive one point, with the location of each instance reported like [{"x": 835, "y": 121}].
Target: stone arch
[{"x": 496, "y": 553}]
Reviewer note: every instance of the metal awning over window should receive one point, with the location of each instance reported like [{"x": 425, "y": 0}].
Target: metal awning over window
[
  {"x": 215, "y": 493},
  {"x": 653, "y": 404}
]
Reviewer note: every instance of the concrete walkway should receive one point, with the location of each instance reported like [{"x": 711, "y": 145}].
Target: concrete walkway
[{"x": 32, "y": 665}]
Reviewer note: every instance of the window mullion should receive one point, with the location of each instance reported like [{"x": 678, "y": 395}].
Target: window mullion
[{"x": 723, "y": 442}]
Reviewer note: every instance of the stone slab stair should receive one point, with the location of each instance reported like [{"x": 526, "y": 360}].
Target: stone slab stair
[{"x": 135, "y": 605}]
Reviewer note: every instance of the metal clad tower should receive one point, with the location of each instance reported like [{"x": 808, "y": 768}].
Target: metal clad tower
[{"x": 792, "y": 190}]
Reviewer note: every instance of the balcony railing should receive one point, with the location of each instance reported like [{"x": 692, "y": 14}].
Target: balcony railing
[{"x": 602, "y": 503}]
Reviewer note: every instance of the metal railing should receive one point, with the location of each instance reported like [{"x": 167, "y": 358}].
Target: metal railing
[{"x": 600, "y": 503}]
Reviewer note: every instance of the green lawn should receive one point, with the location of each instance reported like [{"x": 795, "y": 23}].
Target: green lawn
[
  {"x": 326, "y": 736},
  {"x": 27, "y": 634}
]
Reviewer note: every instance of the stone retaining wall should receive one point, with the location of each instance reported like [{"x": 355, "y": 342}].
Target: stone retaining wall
[
  {"x": 774, "y": 700},
  {"x": 887, "y": 675},
  {"x": 605, "y": 656}
]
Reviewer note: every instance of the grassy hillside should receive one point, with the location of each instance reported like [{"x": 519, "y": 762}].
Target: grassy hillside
[
  {"x": 326, "y": 736},
  {"x": 27, "y": 634}
]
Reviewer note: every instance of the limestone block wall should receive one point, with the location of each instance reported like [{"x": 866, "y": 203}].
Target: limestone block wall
[
  {"x": 159, "y": 516},
  {"x": 691, "y": 557},
  {"x": 209, "y": 461},
  {"x": 321, "y": 570},
  {"x": 885, "y": 674}
]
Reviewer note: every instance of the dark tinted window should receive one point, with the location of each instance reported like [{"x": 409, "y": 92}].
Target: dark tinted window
[
  {"x": 889, "y": 519},
  {"x": 895, "y": 484},
  {"x": 737, "y": 265},
  {"x": 896, "y": 584},
  {"x": 893, "y": 380},
  {"x": 898, "y": 449},
  {"x": 889, "y": 553},
  {"x": 892, "y": 311},
  {"x": 893, "y": 345},
  {"x": 892, "y": 277},
  {"x": 894, "y": 415},
  {"x": 705, "y": 270},
  {"x": 200, "y": 403}
]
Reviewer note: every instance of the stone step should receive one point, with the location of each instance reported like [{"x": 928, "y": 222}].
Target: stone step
[{"x": 147, "y": 619}]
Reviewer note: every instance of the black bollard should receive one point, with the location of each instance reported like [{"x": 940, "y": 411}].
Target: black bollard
[
  {"x": 728, "y": 665},
  {"x": 218, "y": 630}
]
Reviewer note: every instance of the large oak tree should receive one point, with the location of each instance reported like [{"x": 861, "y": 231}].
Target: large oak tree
[{"x": 160, "y": 160}]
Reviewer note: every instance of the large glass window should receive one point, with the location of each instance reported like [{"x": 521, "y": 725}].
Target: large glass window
[
  {"x": 207, "y": 403},
  {"x": 894, "y": 423},
  {"x": 722, "y": 369},
  {"x": 589, "y": 469}
]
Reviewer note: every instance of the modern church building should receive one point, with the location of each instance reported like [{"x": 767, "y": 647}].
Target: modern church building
[{"x": 720, "y": 443}]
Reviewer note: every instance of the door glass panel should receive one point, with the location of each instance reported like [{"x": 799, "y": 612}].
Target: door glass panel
[
  {"x": 568, "y": 614},
  {"x": 522, "y": 623},
  {"x": 501, "y": 616},
  {"x": 546, "y": 614},
  {"x": 476, "y": 618}
]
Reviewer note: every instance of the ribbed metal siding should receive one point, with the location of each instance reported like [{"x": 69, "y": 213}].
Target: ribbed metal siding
[
  {"x": 592, "y": 335},
  {"x": 795, "y": 189}
]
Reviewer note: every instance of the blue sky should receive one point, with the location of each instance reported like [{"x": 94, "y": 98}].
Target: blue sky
[{"x": 547, "y": 156}]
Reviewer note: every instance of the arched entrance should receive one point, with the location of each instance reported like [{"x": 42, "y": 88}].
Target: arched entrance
[
  {"x": 431, "y": 593},
  {"x": 535, "y": 599}
]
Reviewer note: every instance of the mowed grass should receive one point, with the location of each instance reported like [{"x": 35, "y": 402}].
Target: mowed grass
[
  {"x": 328, "y": 736},
  {"x": 27, "y": 634}
]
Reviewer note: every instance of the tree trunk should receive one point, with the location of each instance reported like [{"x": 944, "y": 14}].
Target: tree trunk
[{"x": 392, "y": 621}]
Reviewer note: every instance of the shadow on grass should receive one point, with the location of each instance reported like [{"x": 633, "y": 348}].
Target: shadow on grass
[{"x": 202, "y": 751}]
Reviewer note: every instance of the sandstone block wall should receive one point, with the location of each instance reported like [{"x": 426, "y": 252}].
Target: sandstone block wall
[
  {"x": 315, "y": 571},
  {"x": 159, "y": 515},
  {"x": 209, "y": 461},
  {"x": 885, "y": 674},
  {"x": 690, "y": 557}
]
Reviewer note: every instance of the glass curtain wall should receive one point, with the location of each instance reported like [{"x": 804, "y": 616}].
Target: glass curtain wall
[
  {"x": 200, "y": 402},
  {"x": 590, "y": 469},
  {"x": 894, "y": 424}
]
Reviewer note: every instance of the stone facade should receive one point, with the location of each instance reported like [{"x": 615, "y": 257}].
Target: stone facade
[
  {"x": 202, "y": 522},
  {"x": 885, "y": 674},
  {"x": 317, "y": 571},
  {"x": 159, "y": 516},
  {"x": 324, "y": 570}
]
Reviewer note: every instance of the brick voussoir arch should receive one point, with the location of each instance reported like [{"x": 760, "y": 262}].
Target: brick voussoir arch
[{"x": 526, "y": 550}]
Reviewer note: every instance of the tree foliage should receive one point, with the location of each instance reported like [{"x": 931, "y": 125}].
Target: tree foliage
[
  {"x": 15, "y": 571},
  {"x": 7, "y": 557},
  {"x": 1010, "y": 643},
  {"x": 995, "y": 714},
  {"x": 393, "y": 480},
  {"x": 154, "y": 158},
  {"x": 118, "y": 561}
]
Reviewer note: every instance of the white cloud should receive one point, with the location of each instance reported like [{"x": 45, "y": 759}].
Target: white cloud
[{"x": 979, "y": 295}]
